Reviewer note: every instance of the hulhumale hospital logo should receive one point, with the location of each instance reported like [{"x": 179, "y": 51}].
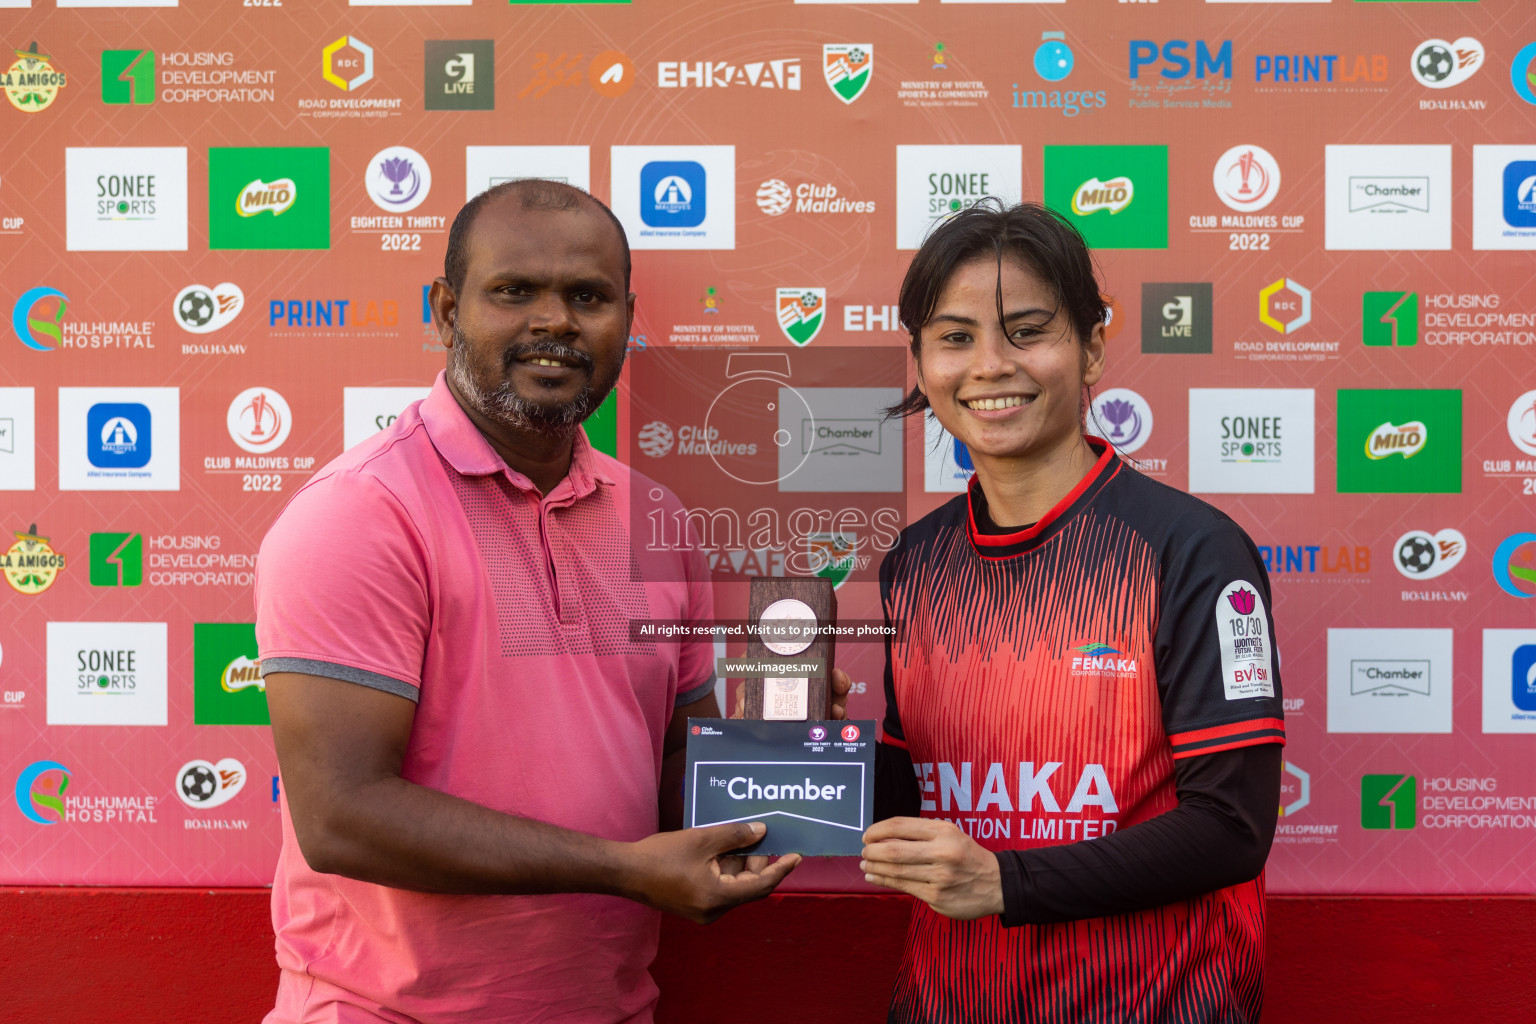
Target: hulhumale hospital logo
[
  {"x": 1514, "y": 565},
  {"x": 32, "y": 322},
  {"x": 40, "y": 792}
]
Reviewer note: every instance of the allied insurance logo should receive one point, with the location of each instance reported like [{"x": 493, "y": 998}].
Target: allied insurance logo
[
  {"x": 32, "y": 83},
  {"x": 848, "y": 69},
  {"x": 38, "y": 318},
  {"x": 31, "y": 565}
]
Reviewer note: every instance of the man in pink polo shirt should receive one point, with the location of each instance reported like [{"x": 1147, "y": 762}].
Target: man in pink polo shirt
[{"x": 471, "y": 744}]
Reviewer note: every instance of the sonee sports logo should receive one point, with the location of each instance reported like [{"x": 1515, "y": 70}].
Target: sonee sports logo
[{"x": 1389, "y": 802}]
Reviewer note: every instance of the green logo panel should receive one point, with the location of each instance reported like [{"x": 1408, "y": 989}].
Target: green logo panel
[
  {"x": 117, "y": 559},
  {"x": 269, "y": 197},
  {"x": 1399, "y": 442},
  {"x": 602, "y": 426},
  {"x": 1389, "y": 801},
  {"x": 1117, "y": 196},
  {"x": 226, "y": 681},
  {"x": 1389, "y": 319},
  {"x": 127, "y": 76}
]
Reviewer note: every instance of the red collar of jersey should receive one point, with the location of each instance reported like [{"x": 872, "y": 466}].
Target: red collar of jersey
[{"x": 993, "y": 545}]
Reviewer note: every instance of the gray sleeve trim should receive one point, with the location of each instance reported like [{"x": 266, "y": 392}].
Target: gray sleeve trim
[
  {"x": 346, "y": 673},
  {"x": 696, "y": 693}
]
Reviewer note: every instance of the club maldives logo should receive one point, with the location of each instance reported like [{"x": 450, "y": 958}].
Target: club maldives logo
[
  {"x": 200, "y": 309},
  {"x": 32, "y": 330},
  {"x": 203, "y": 784},
  {"x": 259, "y": 420},
  {"x": 398, "y": 179},
  {"x": 1421, "y": 555},
  {"x": 40, "y": 790},
  {"x": 802, "y": 312},
  {"x": 32, "y": 83},
  {"x": 31, "y": 565},
  {"x": 1387, "y": 440},
  {"x": 1437, "y": 64},
  {"x": 1094, "y": 195},
  {"x": 1246, "y": 178},
  {"x": 848, "y": 68},
  {"x": 1514, "y": 565}
]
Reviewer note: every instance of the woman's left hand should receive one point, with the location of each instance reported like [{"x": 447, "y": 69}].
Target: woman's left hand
[{"x": 936, "y": 862}]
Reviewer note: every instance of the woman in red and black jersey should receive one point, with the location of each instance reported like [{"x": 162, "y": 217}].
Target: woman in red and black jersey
[{"x": 1080, "y": 761}]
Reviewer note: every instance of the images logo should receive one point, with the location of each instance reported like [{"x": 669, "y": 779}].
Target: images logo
[
  {"x": 1282, "y": 314},
  {"x": 203, "y": 310},
  {"x": 802, "y": 312},
  {"x": 269, "y": 198},
  {"x": 460, "y": 74},
  {"x": 848, "y": 69},
  {"x": 24, "y": 323},
  {"x": 1122, "y": 417},
  {"x": 40, "y": 790},
  {"x": 1176, "y": 317},
  {"x": 1053, "y": 57},
  {"x": 128, "y": 77},
  {"x": 1522, "y": 422},
  {"x": 1522, "y": 73},
  {"x": 1117, "y": 196},
  {"x": 1423, "y": 426},
  {"x": 117, "y": 559},
  {"x": 1246, "y": 178},
  {"x": 673, "y": 194},
  {"x": 119, "y": 435},
  {"x": 31, "y": 565},
  {"x": 1423, "y": 556},
  {"x": 1438, "y": 64},
  {"x": 227, "y": 687},
  {"x": 1514, "y": 565},
  {"x": 202, "y": 784},
  {"x": 1389, "y": 319},
  {"x": 334, "y": 64},
  {"x": 33, "y": 83},
  {"x": 398, "y": 179},
  {"x": 259, "y": 420},
  {"x": 1389, "y": 801}
]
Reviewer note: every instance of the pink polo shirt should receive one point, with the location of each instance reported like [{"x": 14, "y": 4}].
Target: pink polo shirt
[{"x": 419, "y": 564}]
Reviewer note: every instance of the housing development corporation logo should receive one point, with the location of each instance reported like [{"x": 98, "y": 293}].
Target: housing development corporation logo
[
  {"x": 1117, "y": 196},
  {"x": 848, "y": 69},
  {"x": 38, "y": 316},
  {"x": 1389, "y": 319},
  {"x": 117, "y": 559},
  {"x": 1389, "y": 802},
  {"x": 32, "y": 83},
  {"x": 127, "y": 77}
]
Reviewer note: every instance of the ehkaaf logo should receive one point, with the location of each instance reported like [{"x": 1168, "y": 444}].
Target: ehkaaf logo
[
  {"x": 703, "y": 74},
  {"x": 39, "y": 316},
  {"x": 1100, "y": 659}
]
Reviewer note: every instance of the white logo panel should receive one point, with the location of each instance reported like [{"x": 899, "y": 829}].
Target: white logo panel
[
  {"x": 1251, "y": 440},
  {"x": 947, "y": 466},
  {"x": 1504, "y": 197},
  {"x": 1389, "y": 680},
  {"x": 676, "y": 197},
  {"x": 1387, "y": 197},
  {"x": 485, "y": 166},
  {"x": 107, "y": 673},
  {"x": 119, "y": 439},
  {"x": 18, "y": 439},
  {"x": 933, "y": 182},
  {"x": 127, "y": 199},
  {"x": 366, "y": 411},
  {"x": 1509, "y": 680}
]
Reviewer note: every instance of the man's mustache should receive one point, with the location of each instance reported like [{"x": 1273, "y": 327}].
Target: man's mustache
[{"x": 548, "y": 349}]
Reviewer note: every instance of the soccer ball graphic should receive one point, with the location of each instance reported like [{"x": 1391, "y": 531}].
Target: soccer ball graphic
[
  {"x": 655, "y": 439},
  {"x": 1434, "y": 63},
  {"x": 199, "y": 784},
  {"x": 1416, "y": 555},
  {"x": 196, "y": 308},
  {"x": 774, "y": 197}
]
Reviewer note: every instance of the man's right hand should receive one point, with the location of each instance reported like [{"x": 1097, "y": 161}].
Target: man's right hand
[{"x": 693, "y": 873}]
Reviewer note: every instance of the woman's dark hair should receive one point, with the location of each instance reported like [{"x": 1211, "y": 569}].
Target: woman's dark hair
[{"x": 1040, "y": 240}]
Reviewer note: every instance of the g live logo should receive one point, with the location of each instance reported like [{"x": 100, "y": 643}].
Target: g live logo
[{"x": 1389, "y": 801}]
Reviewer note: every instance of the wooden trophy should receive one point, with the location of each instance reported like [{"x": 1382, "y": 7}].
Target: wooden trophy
[{"x": 786, "y": 608}]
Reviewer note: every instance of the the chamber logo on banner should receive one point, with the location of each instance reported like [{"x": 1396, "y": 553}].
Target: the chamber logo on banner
[
  {"x": 460, "y": 74},
  {"x": 676, "y": 197},
  {"x": 269, "y": 197},
  {"x": 128, "y": 77},
  {"x": 1390, "y": 680},
  {"x": 1387, "y": 197},
  {"x": 1509, "y": 681},
  {"x": 1399, "y": 441},
  {"x": 839, "y": 440},
  {"x": 1176, "y": 317},
  {"x": 18, "y": 439},
  {"x": 32, "y": 83},
  {"x": 107, "y": 673},
  {"x": 1251, "y": 440},
  {"x": 119, "y": 439},
  {"x": 935, "y": 182},
  {"x": 1117, "y": 196},
  {"x": 125, "y": 199},
  {"x": 488, "y": 166},
  {"x": 227, "y": 688}
]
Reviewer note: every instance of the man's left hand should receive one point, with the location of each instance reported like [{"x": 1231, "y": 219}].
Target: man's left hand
[
  {"x": 936, "y": 862},
  {"x": 841, "y": 684}
]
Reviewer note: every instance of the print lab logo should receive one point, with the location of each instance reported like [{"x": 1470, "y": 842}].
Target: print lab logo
[
  {"x": 40, "y": 790},
  {"x": 703, "y": 74},
  {"x": 848, "y": 69},
  {"x": 1246, "y": 178},
  {"x": 32, "y": 83},
  {"x": 1389, "y": 802},
  {"x": 460, "y": 74},
  {"x": 1421, "y": 555},
  {"x": 1437, "y": 64},
  {"x": 1176, "y": 317},
  {"x": 203, "y": 784},
  {"x": 398, "y": 179},
  {"x": 39, "y": 316},
  {"x": 200, "y": 309}
]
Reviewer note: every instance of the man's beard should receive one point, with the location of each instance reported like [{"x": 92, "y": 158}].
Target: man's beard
[{"x": 505, "y": 406}]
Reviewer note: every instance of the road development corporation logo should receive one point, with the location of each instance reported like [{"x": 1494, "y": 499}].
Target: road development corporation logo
[
  {"x": 31, "y": 565},
  {"x": 1117, "y": 196},
  {"x": 1514, "y": 565},
  {"x": 1387, "y": 197},
  {"x": 1437, "y": 64},
  {"x": 1421, "y": 555},
  {"x": 1122, "y": 417},
  {"x": 848, "y": 69},
  {"x": 38, "y": 318},
  {"x": 203, "y": 784},
  {"x": 32, "y": 83},
  {"x": 802, "y": 313},
  {"x": 259, "y": 420},
  {"x": 460, "y": 74},
  {"x": 1399, "y": 441},
  {"x": 1389, "y": 802},
  {"x": 40, "y": 790},
  {"x": 1390, "y": 680},
  {"x": 1246, "y": 178},
  {"x": 1285, "y": 306},
  {"x": 398, "y": 179},
  {"x": 347, "y": 63},
  {"x": 199, "y": 309}
]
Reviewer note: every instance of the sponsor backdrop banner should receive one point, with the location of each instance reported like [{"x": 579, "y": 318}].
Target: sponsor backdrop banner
[{"x": 1315, "y": 220}]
